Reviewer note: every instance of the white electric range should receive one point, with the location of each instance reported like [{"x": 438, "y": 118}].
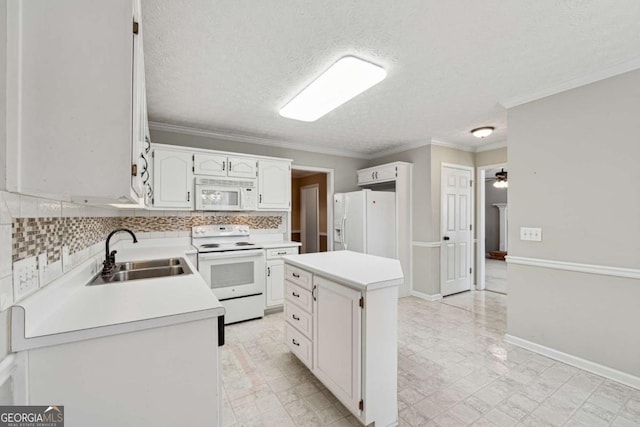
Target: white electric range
[{"x": 233, "y": 267}]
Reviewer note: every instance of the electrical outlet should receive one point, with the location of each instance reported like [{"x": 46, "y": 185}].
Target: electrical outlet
[
  {"x": 42, "y": 268},
  {"x": 533, "y": 234},
  {"x": 66, "y": 259},
  {"x": 25, "y": 277}
]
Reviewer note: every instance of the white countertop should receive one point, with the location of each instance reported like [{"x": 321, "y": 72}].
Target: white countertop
[
  {"x": 353, "y": 269},
  {"x": 67, "y": 310}
]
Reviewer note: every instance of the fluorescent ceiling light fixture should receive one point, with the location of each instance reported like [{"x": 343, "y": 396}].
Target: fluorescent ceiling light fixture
[
  {"x": 482, "y": 132},
  {"x": 344, "y": 80}
]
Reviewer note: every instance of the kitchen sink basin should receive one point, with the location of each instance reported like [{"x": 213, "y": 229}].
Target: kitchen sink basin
[
  {"x": 147, "y": 273},
  {"x": 138, "y": 270},
  {"x": 153, "y": 263}
]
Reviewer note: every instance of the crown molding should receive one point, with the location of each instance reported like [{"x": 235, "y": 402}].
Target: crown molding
[
  {"x": 228, "y": 136},
  {"x": 186, "y": 130},
  {"x": 453, "y": 145},
  {"x": 399, "y": 149},
  {"x": 615, "y": 70},
  {"x": 491, "y": 146}
]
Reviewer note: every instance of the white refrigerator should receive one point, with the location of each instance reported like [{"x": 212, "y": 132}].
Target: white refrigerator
[{"x": 364, "y": 221}]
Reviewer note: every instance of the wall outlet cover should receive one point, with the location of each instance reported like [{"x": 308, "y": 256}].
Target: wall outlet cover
[
  {"x": 42, "y": 269},
  {"x": 25, "y": 277},
  {"x": 66, "y": 259}
]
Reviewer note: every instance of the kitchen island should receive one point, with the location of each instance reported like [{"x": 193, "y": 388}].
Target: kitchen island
[
  {"x": 140, "y": 352},
  {"x": 342, "y": 323}
]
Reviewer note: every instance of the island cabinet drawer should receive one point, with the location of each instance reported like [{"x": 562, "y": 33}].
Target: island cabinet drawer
[
  {"x": 299, "y": 318},
  {"x": 280, "y": 252},
  {"x": 299, "y": 345},
  {"x": 299, "y": 296},
  {"x": 298, "y": 276}
]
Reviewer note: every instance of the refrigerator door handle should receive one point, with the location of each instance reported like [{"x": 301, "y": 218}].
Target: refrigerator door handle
[{"x": 344, "y": 232}]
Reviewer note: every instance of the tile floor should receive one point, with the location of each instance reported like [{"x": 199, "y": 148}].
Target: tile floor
[
  {"x": 495, "y": 275},
  {"x": 454, "y": 370}
]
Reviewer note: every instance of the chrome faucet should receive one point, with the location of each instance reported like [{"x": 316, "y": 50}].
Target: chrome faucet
[{"x": 110, "y": 257}]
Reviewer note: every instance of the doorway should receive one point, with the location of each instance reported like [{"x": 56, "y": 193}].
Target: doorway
[
  {"x": 311, "y": 208},
  {"x": 310, "y": 219},
  {"x": 493, "y": 217}
]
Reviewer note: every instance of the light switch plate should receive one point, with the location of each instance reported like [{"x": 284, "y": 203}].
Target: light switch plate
[
  {"x": 533, "y": 234},
  {"x": 25, "y": 277},
  {"x": 42, "y": 268}
]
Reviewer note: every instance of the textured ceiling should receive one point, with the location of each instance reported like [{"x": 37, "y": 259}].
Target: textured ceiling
[{"x": 230, "y": 66}]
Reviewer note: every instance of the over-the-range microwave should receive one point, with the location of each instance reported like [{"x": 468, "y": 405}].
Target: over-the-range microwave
[{"x": 225, "y": 194}]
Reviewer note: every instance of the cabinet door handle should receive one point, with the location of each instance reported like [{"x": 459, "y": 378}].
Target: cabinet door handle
[
  {"x": 295, "y": 295},
  {"x": 268, "y": 271},
  {"x": 373, "y": 175},
  {"x": 295, "y": 342},
  {"x": 296, "y": 275},
  {"x": 188, "y": 196},
  {"x": 313, "y": 292},
  {"x": 260, "y": 201},
  {"x": 224, "y": 164},
  {"x": 376, "y": 175},
  {"x": 295, "y": 317},
  {"x": 282, "y": 253},
  {"x": 229, "y": 165}
]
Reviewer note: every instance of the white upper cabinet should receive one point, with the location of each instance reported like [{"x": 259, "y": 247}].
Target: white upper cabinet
[
  {"x": 274, "y": 184},
  {"x": 209, "y": 164},
  {"x": 242, "y": 167},
  {"x": 75, "y": 99},
  {"x": 377, "y": 174},
  {"x": 221, "y": 165},
  {"x": 172, "y": 179}
]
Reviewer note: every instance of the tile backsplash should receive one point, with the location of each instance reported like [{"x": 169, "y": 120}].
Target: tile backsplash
[{"x": 33, "y": 236}]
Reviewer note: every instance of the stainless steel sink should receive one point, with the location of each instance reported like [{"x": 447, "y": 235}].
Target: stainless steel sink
[
  {"x": 153, "y": 263},
  {"x": 138, "y": 270}
]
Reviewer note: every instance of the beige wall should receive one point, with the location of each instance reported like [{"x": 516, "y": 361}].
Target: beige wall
[
  {"x": 344, "y": 167},
  {"x": 573, "y": 170},
  {"x": 491, "y": 157}
]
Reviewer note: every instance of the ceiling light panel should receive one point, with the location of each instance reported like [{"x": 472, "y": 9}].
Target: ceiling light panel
[{"x": 344, "y": 80}]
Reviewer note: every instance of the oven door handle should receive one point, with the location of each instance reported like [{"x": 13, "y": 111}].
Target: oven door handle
[{"x": 231, "y": 254}]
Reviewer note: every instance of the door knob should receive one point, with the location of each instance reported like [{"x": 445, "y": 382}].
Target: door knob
[{"x": 445, "y": 238}]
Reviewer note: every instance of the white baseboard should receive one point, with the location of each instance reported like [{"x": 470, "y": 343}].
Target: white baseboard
[
  {"x": 427, "y": 297},
  {"x": 578, "y": 362}
]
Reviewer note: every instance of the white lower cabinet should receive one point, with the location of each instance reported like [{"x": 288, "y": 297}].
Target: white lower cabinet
[
  {"x": 274, "y": 284},
  {"x": 348, "y": 338},
  {"x": 132, "y": 378},
  {"x": 336, "y": 353}
]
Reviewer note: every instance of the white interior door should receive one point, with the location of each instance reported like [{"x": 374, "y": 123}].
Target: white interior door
[
  {"x": 455, "y": 222},
  {"x": 309, "y": 218}
]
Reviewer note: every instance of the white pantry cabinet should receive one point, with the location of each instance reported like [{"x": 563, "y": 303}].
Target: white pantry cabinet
[
  {"x": 221, "y": 165},
  {"x": 274, "y": 184},
  {"x": 341, "y": 322},
  {"x": 172, "y": 179},
  {"x": 75, "y": 99},
  {"x": 377, "y": 174}
]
